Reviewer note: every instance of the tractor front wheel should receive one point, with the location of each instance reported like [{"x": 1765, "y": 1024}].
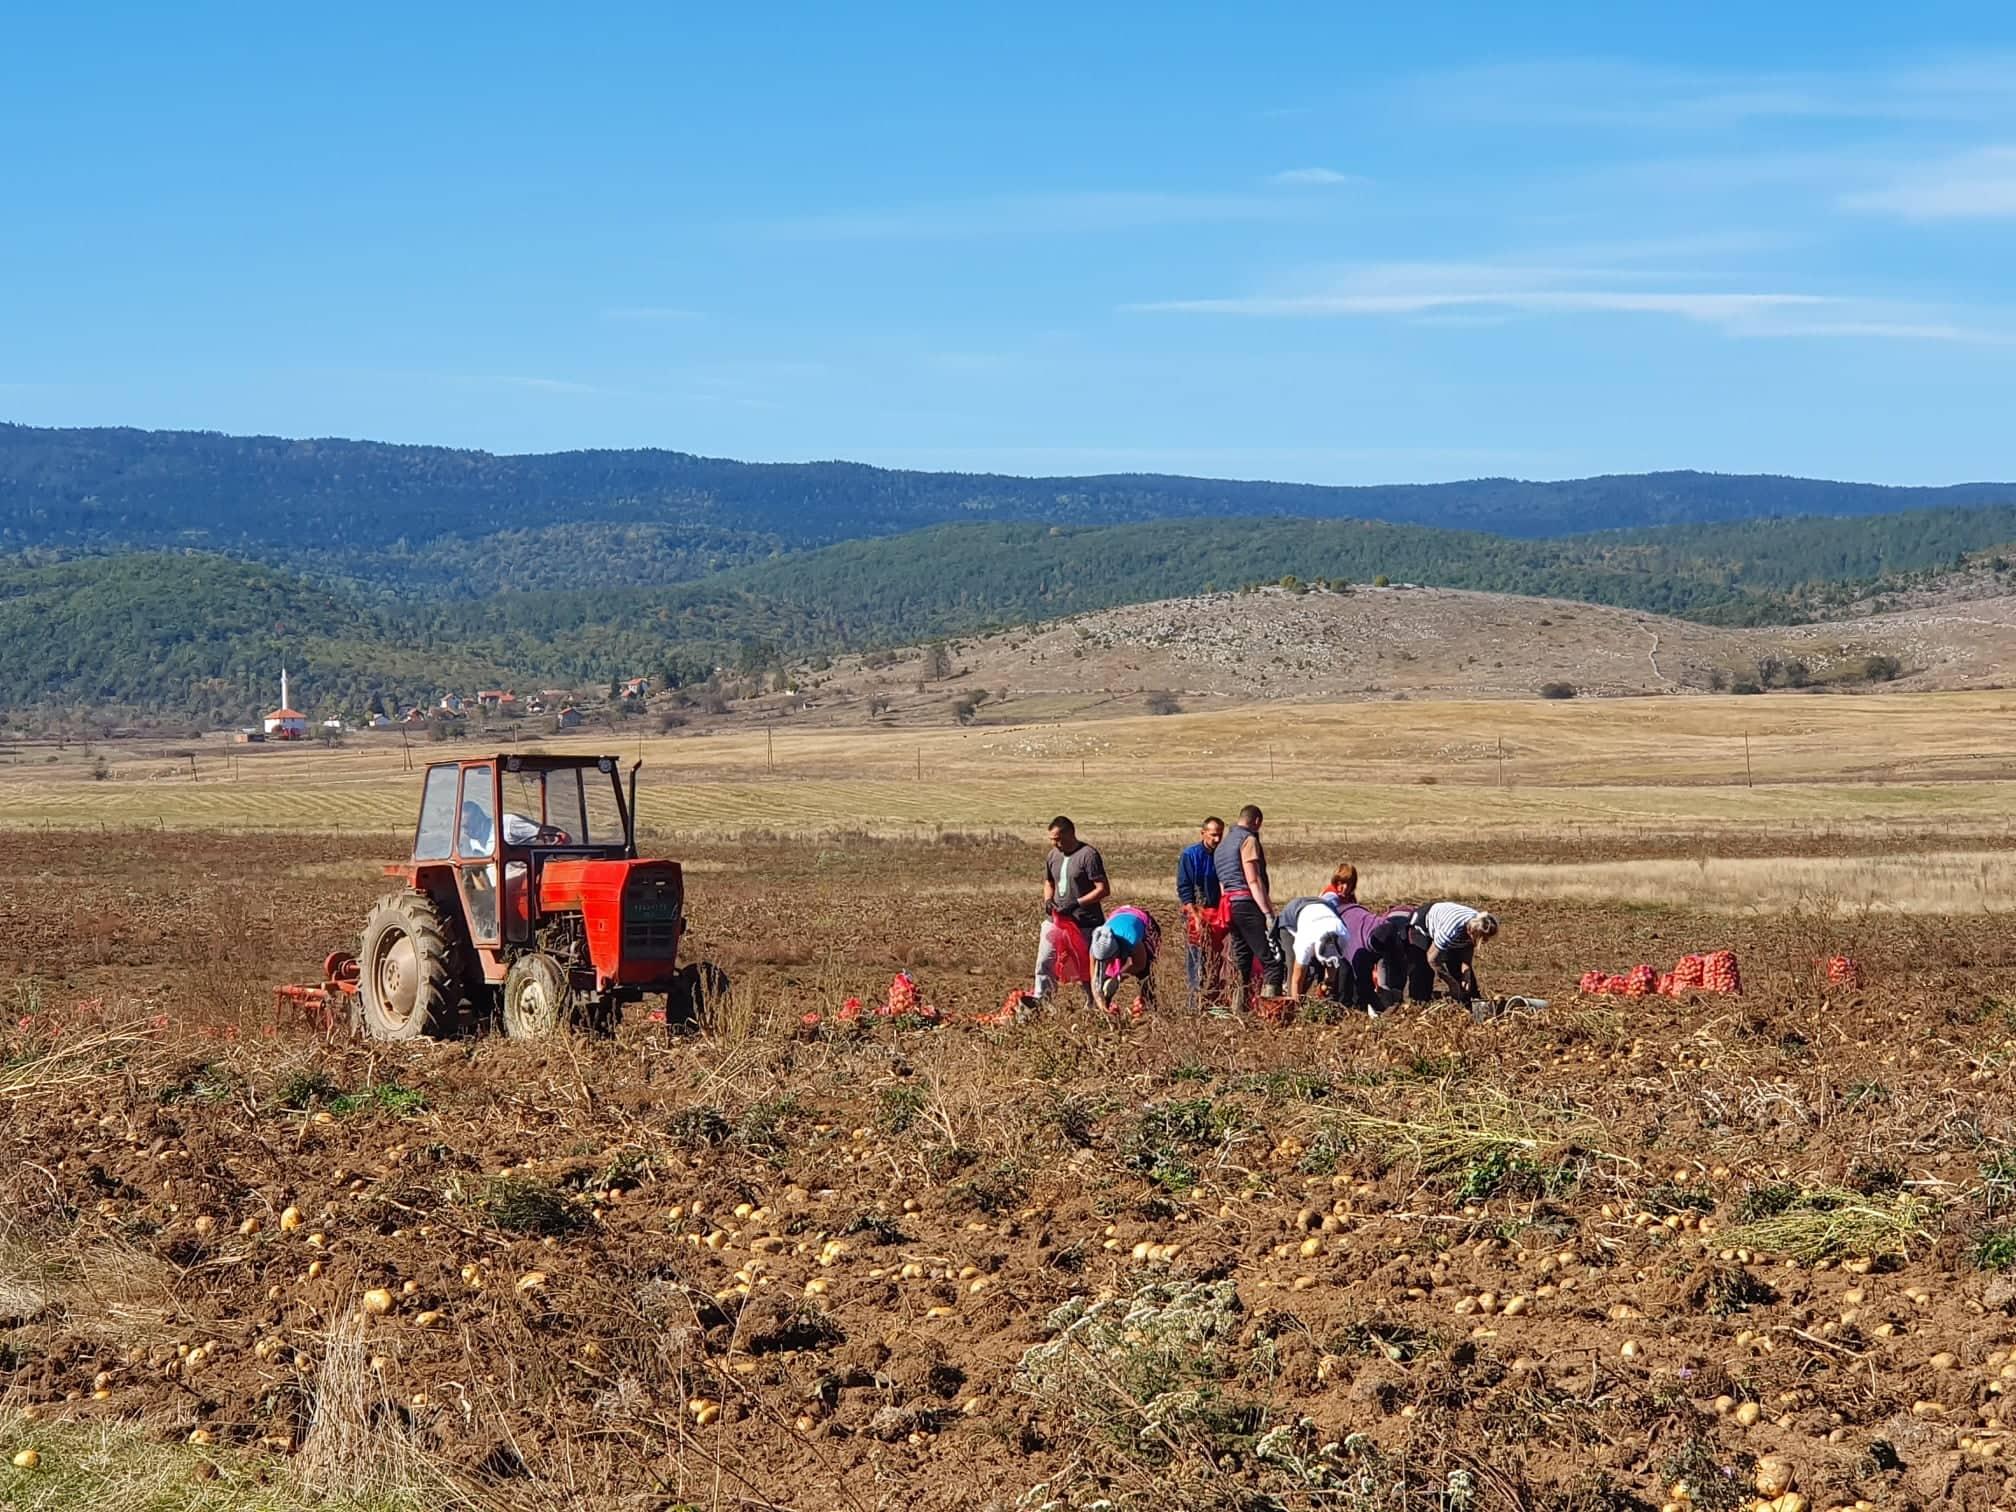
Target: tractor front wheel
[
  {"x": 537, "y": 997},
  {"x": 406, "y": 975}
]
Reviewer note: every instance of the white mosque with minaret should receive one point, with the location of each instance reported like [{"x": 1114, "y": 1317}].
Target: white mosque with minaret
[{"x": 286, "y": 722}]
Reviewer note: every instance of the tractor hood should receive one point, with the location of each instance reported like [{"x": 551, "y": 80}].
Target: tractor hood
[{"x": 632, "y": 914}]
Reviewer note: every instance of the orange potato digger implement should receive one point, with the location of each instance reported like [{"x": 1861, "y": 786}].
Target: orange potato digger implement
[{"x": 525, "y": 902}]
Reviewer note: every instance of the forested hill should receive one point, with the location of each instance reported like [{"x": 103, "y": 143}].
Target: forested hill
[{"x": 430, "y": 519}]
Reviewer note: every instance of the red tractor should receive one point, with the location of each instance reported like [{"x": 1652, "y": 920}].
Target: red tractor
[{"x": 524, "y": 896}]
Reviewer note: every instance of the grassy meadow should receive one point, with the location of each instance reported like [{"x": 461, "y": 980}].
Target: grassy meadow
[{"x": 1609, "y": 767}]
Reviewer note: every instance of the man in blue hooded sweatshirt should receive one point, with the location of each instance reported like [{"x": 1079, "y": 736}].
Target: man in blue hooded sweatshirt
[{"x": 1198, "y": 891}]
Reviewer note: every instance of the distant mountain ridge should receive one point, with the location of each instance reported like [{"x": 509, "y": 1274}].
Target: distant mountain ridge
[{"x": 404, "y": 518}]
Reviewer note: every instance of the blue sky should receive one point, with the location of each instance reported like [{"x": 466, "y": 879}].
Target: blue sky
[{"x": 1320, "y": 242}]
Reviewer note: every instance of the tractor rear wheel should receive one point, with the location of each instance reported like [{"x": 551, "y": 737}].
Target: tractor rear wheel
[
  {"x": 537, "y": 997},
  {"x": 406, "y": 977}
]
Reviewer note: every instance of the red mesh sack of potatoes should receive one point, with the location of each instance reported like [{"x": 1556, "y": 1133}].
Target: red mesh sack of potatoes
[
  {"x": 902, "y": 996},
  {"x": 1721, "y": 974},
  {"x": 1641, "y": 981},
  {"x": 1593, "y": 983},
  {"x": 1073, "y": 961},
  {"x": 1842, "y": 971},
  {"x": 1690, "y": 973},
  {"x": 1273, "y": 1010},
  {"x": 1666, "y": 987}
]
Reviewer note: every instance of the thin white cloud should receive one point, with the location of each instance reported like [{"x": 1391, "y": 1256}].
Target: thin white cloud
[
  {"x": 1978, "y": 185},
  {"x": 1611, "y": 93},
  {"x": 535, "y": 384},
  {"x": 1442, "y": 292},
  {"x": 1298, "y": 178},
  {"x": 651, "y": 314},
  {"x": 1037, "y": 215},
  {"x": 1712, "y": 308}
]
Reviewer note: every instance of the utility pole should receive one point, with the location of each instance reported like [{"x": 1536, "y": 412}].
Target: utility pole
[
  {"x": 1501, "y": 763},
  {"x": 770, "y": 747},
  {"x": 1749, "y": 777}
]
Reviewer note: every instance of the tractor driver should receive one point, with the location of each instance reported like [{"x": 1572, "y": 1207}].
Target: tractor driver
[{"x": 477, "y": 835}]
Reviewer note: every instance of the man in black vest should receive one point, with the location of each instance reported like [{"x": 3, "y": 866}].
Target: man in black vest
[{"x": 1241, "y": 863}]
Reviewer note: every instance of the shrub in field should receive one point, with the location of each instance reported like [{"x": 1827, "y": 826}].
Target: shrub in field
[
  {"x": 897, "y": 1108},
  {"x": 1483, "y": 1142},
  {"x": 1149, "y": 1391},
  {"x": 382, "y": 1097},
  {"x": 1837, "y": 1221},
  {"x": 1168, "y": 1134},
  {"x": 1073, "y": 1116},
  {"x": 1287, "y": 1084},
  {"x": 304, "y": 1089},
  {"x": 521, "y": 1205},
  {"x": 205, "y": 1083},
  {"x": 1001, "y": 1186},
  {"x": 761, "y": 1126},
  {"x": 1995, "y": 1250},
  {"x": 701, "y": 1124},
  {"x": 1998, "y": 1181},
  {"x": 1145, "y": 1374}
]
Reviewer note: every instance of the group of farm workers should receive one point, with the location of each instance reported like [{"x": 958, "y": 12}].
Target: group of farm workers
[{"x": 1238, "y": 943}]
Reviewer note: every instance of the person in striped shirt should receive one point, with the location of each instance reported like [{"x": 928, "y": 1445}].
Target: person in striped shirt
[{"x": 1447, "y": 935}]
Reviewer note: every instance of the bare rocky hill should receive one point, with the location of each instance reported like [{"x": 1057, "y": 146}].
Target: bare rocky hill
[{"x": 1400, "y": 642}]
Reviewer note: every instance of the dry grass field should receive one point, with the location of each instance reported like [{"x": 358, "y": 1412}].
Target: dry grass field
[
  {"x": 1324, "y": 769},
  {"x": 1649, "y": 1253}
]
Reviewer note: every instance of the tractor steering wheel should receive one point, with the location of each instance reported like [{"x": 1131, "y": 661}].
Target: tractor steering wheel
[{"x": 551, "y": 834}]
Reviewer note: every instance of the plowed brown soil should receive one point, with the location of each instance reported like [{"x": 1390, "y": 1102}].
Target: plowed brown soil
[{"x": 756, "y": 1268}]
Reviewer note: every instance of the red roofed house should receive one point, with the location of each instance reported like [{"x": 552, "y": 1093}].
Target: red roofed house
[{"x": 286, "y": 722}]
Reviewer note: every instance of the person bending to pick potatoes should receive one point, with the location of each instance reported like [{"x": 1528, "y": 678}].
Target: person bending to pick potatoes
[
  {"x": 1126, "y": 945},
  {"x": 1310, "y": 937},
  {"x": 1074, "y": 897},
  {"x": 1448, "y": 935}
]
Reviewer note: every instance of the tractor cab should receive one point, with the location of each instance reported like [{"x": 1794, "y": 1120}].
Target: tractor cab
[
  {"x": 524, "y": 892},
  {"x": 494, "y": 824}
]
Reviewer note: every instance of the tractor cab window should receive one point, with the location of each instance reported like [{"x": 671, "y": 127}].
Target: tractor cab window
[
  {"x": 476, "y": 833},
  {"x": 435, "y": 839},
  {"x": 555, "y": 806},
  {"x": 601, "y": 813},
  {"x": 563, "y": 803},
  {"x": 542, "y": 807}
]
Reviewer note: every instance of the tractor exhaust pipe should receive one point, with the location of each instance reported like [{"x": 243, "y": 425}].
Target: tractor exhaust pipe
[{"x": 630, "y": 816}]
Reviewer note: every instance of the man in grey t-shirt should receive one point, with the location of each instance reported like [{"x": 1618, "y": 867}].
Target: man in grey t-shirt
[{"x": 1075, "y": 890}]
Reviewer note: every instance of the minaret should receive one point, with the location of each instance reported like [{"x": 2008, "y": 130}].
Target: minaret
[{"x": 283, "y": 690}]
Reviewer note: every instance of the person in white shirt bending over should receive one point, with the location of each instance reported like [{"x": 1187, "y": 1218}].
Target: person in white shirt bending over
[{"x": 1310, "y": 938}]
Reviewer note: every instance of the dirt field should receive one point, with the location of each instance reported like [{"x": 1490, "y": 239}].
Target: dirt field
[{"x": 1566, "y": 1260}]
